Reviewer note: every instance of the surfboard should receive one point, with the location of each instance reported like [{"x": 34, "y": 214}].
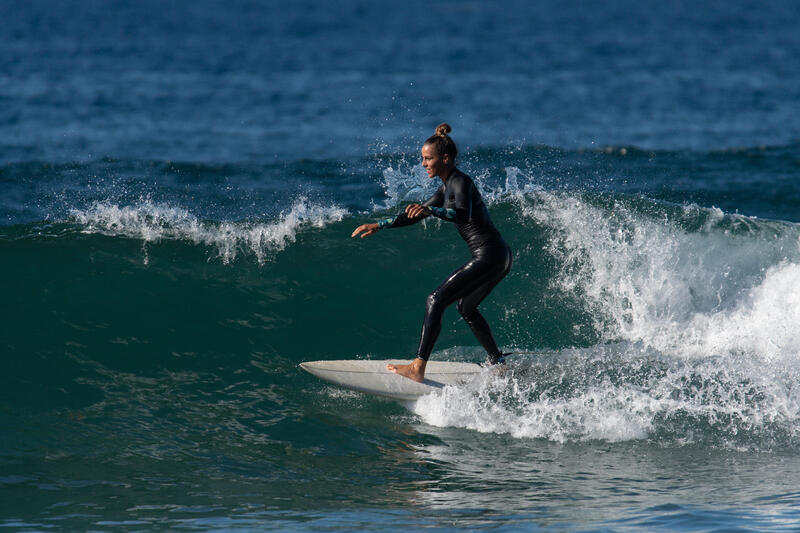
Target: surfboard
[{"x": 371, "y": 377}]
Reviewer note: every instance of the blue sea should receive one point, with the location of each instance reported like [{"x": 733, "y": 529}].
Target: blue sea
[{"x": 178, "y": 185}]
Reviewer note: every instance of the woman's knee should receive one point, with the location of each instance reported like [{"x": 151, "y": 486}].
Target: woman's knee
[{"x": 434, "y": 303}]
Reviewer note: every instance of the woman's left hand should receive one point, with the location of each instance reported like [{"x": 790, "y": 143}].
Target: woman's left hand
[
  {"x": 365, "y": 230},
  {"x": 417, "y": 210}
]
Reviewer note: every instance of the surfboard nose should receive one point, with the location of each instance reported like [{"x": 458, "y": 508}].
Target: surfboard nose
[{"x": 311, "y": 366}]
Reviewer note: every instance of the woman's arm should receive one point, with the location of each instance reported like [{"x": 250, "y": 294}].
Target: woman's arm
[
  {"x": 416, "y": 212},
  {"x": 411, "y": 215}
]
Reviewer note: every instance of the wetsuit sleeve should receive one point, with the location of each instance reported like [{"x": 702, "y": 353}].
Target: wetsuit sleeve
[
  {"x": 399, "y": 221},
  {"x": 462, "y": 195},
  {"x": 402, "y": 219}
]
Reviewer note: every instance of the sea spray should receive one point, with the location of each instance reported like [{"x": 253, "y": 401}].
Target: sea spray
[
  {"x": 406, "y": 183},
  {"x": 152, "y": 222}
]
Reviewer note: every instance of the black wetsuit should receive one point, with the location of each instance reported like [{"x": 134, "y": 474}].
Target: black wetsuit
[{"x": 459, "y": 201}]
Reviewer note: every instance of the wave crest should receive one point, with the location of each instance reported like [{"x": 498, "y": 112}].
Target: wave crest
[
  {"x": 682, "y": 279},
  {"x": 153, "y": 222}
]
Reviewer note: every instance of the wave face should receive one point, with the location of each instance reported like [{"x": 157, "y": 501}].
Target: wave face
[{"x": 638, "y": 318}]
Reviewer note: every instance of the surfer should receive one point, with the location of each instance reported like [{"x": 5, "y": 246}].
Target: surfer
[{"x": 457, "y": 200}]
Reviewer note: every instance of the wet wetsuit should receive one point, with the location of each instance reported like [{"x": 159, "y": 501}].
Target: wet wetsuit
[{"x": 459, "y": 201}]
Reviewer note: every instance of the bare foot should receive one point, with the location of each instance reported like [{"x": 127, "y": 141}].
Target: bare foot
[
  {"x": 414, "y": 371},
  {"x": 498, "y": 370}
]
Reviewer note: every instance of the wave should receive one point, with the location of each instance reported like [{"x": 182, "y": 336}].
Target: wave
[
  {"x": 648, "y": 320},
  {"x": 591, "y": 267},
  {"x": 152, "y": 222},
  {"x": 681, "y": 279},
  {"x": 694, "y": 311}
]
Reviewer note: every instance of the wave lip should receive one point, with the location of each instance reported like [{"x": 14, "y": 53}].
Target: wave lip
[{"x": 153, "y": 222}]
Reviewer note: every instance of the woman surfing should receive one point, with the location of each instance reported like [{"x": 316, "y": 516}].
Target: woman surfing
[{"x": 458, "y": 201}]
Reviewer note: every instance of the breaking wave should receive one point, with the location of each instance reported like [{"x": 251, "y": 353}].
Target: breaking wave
[{"x": 152, "y": 222}]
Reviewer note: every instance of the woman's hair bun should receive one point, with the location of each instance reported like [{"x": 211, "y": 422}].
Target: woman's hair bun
[{"x": 443, "y": 143}]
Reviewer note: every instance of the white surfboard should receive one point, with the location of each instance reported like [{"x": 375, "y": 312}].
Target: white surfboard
[{"x": 372, "y": 377}]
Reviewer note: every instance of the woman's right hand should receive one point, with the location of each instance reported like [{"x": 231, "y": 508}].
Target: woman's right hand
[
  {"x": 366, "y": 230},
  {"x": 416, "y": 210}
]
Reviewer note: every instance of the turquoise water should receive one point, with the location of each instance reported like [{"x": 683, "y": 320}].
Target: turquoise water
[{"x": 179, "y": 185}]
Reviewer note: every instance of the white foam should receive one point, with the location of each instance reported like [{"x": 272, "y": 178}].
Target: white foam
[
  {"x": 512, "y": 406},
  {"x": 765, "y": 321},
  {"x": 152, "y": 222},
  {"x": 725, "y": 287},
  {"x": 620, "y": 393}
]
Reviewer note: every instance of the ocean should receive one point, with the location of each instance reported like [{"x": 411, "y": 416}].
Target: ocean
[{"x": 179, "y": 185}]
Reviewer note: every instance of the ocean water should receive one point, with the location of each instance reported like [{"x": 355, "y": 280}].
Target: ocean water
[{"x": 179, "y": 183}]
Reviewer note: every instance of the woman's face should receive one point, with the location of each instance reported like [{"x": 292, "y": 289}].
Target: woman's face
[{"x": 435, "y": 164}]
